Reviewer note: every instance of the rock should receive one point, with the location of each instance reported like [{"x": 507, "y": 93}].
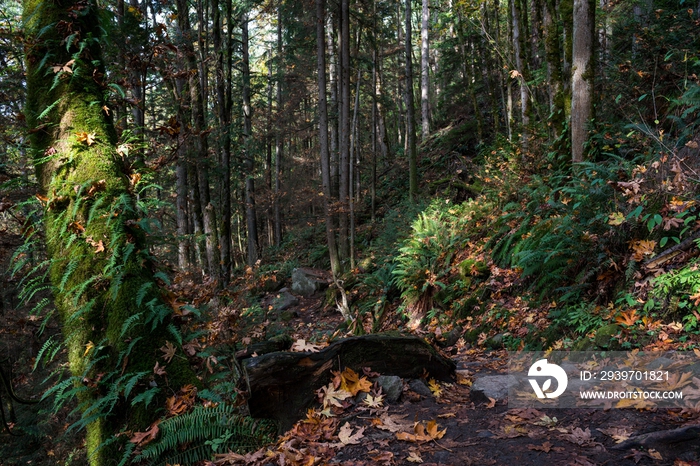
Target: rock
[
  {"x": 496, "y": 342},
  {"x": 604, "y": 337},
  {"x": 451, "y": 337},
  {"x": 306, "y": 281},
  {"x": 419, "y": 386},
  {"x": 392, "y": 386},
  {"x": 283, "y": 300},
  {"x": 492, "y": 386}
]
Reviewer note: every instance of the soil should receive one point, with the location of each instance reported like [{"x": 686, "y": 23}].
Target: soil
[{"x": 476, "y": 433}]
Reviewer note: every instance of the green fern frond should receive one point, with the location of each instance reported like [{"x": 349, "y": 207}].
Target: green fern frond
[{"x": 202, "y": 428}]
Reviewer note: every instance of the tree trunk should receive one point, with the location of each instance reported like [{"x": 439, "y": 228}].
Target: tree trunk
[
  {"x": 333, "y": 121},
  {"x": 251, "y": 220},
  {"x": 410, "y": 111},
  {"x": 344, "y": 147},
  {"x": 224, "y": 114},
  {"x": 323, "y": 134},
  {"x": 279, "y": 140},
  {"x": 520, "y": 65},
  {"x": 582, "y": 76},
  {"x": 424, "y": 71},
  {"x": 554, "y": 72},
  {"x": 114, "y": 320},
  {"x": 201, "y": 143}
]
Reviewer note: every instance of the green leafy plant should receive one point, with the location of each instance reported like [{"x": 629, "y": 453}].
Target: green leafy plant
[{"x": 197, "y": 435}]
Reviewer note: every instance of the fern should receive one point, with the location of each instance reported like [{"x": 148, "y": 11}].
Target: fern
[{"x": 192, "y": 437}]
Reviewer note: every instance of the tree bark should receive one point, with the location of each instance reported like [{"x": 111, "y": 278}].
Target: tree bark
[
  {"x": 410, "y": 111},
  {"x": 344, "y": 143},
  {"x": 251, "y": 219},
  {"x": 554, "y": 71},
  {"x": 279, "y": 135},
  {"x": 201, "y": 143},
  {"x": 323, "y": 135},
  {"x": 582, "y": 76},
  {"x": 101, "y": 270},
  {"x": 424, "y": 71},
  {"x": 520, "y": 65},
  {"x": 224, "y": 114}
]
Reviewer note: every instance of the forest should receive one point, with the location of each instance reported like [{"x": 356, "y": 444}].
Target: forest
[{"x": 312, "y": 232}]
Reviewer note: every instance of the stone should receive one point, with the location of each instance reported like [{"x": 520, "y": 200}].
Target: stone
[
  {"x": 306, "y": 282},
  {"x": 392, "y": 386},
  {"x": 284, "y": 300},
  {"x": 604, "y": 337},
  {"x": 419, "y": 386},
  {"x": 495, "y": 342},
  {"x": 492, "y": 386}
]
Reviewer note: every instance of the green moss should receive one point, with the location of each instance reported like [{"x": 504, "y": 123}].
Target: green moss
[{"x": 96, "y": 292}]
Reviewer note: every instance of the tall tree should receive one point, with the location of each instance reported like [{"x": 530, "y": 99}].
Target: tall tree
[
  {"x": 424, "y": 71},
  {"x": 200, "y": 135},
  {"x": 323, "y": 135},
  {"x": 100, "y": 268},
  {"x": 251, "y": 219},
  {"x": 279, "y": 139},
  {"x": 582, "y": 76},
  {"x": 410, "y": 110},
  {"x": 224, "y": 116},
  {"x": 344, "y": 130}
]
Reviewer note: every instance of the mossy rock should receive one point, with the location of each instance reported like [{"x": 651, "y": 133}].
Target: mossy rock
[
  {"x": 367, "y": 264},
  {"x": 471, "y": 267},
  {"x": 465, "y": 309},
  {"x": 472, "y": 336},
  {"x": 604, "y": 337},
  {"x": 495, "y": 342},
  {"x": 584, "y": 344}
]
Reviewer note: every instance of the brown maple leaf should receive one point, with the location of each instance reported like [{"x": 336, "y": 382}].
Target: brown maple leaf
[
  {"x": 169, "y": 351},
  {"x": 346, "y": 436},
  {"x": 142, "y": 438}
]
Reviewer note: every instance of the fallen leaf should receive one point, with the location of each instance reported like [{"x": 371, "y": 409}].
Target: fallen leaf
[
  {"x": 158, "y": 370},
  {"x": 373, "y": 401},
  {"x": 301, "y": 346},
  {"x": 332, "y": 397},
  {"x": 414, "y": 457},
  {"x": 346, "y": 436},
  {"x": 619, "y": 434},
  {"x": 142, "y": 438},
  {"x": 545, "y": 447},
  {"x": 422, "y": 433},
  {"x": 434, "y": 387},
  {"x": 87, "y": 138},
  {"x": 169, "y": 351},
  {"x": 351, "y": 382},
  {"x": 392, "y": 423}
]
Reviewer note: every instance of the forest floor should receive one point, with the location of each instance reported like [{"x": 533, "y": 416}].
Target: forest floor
[
  {"x": 449, "y": 427},
  {"x": 445, "y": 427}
]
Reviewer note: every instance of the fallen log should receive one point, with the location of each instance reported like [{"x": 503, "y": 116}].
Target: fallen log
[
  {"x": 282, "y": 385},
  {"x": 682, "y": 434}
]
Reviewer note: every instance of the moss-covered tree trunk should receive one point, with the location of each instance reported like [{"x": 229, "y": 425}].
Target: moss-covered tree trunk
[{"x": 114, "y": 318}]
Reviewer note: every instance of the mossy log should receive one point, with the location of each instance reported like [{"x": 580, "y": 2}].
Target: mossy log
[{"x": 282, "y": 385}]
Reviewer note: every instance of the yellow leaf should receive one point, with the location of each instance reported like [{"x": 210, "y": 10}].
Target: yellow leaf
[
  {"x": 616, "y": 218},
  {"x": 434, "y": 387},
  {"x": 352, "y": 383},
  {"x": 88, "y": 347},
  {"x": 87, "y": 138}
]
